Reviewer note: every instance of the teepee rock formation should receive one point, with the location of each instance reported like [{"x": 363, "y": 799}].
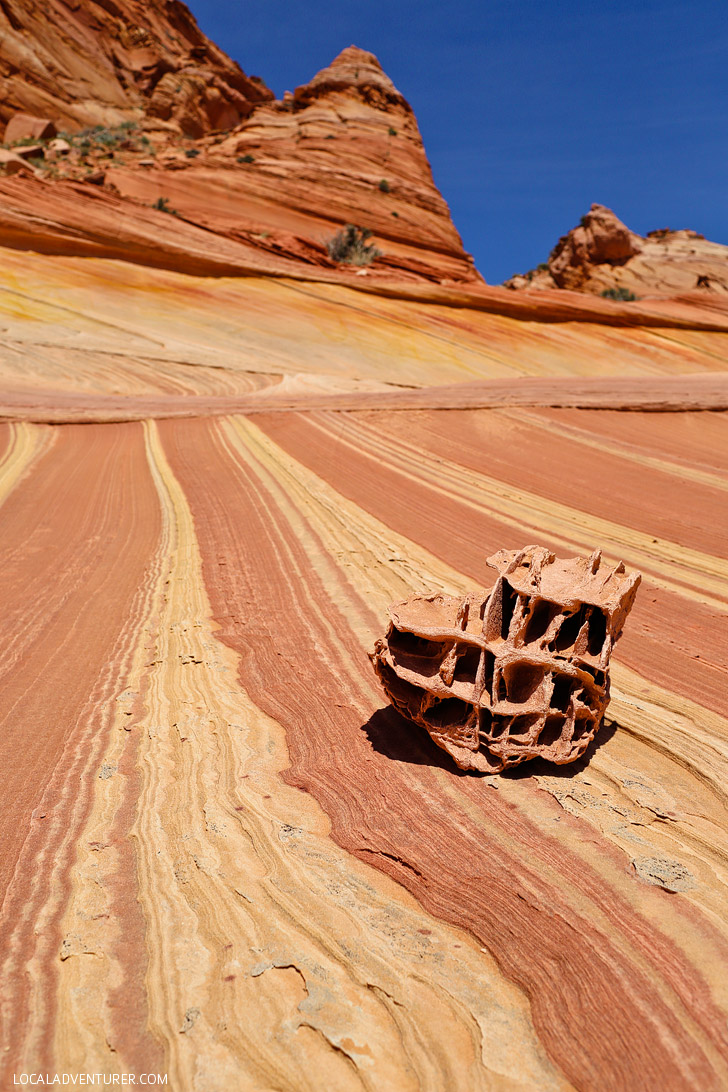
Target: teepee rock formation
[
  {"x": 346, "y": 147},
  {"x": 157, "y": 115}
]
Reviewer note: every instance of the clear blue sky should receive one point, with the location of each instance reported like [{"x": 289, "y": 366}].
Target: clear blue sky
[{"x": 529, "y": 109}]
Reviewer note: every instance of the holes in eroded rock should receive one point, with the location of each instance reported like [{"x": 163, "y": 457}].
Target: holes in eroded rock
[
  {"x": 500, "y": 611},
  {"x": 586, "y": 697},
  {"x": 489, "y": 667},
  {"x": 543, "y": 677},
  {"x": 562, "y": 692},
  {"x": 467, "y": 665},
  {"x": 498, "y": 726},
  {"x": 541, "y": 616},
  {"x": 521, "y": 726},
  {"x": 551, "y": 731},
  {"x": 409, "y": 644},
  {"x": 569, "y": 631},
  {"x": 581, "y": 727},
  {"x": 508, "y": 605},
  {"x": 599, "y": 677},
  {"x": 522, "y": 680},
  {"x": 448, "y": 713},
  {"x": 597, "y": 631},
  {"x": 401, "y": 691},
  {"x": 485, "y": 723}
]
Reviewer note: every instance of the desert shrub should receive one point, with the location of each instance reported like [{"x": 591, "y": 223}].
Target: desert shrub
[
  {"x": 392, "y": 131},
  {"x": 543, "y": 267},
  {"x": 91, "y": 133},
  {"x": 246, "y": 159},
  {"x": 351, "y": 247},
  {"x": 622, "y": 294},
  {"x": 192, "y": 153},
  {"x": 107, "y": 138},
  {"x": 96, "y": 137},
  {"x": 162, "y": 205},
  {"x": 384, "y": 185}
]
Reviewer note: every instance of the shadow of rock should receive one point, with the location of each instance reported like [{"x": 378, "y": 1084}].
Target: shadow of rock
[{"x": 398, "y": 739}]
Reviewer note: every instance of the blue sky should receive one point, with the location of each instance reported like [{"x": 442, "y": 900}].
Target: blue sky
[{"x": 529, "y": 109}]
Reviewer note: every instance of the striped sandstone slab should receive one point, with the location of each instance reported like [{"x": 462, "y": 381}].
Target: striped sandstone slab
[
  {"x": 248, "y": 872},
  {"x": 222, "y": 857}
]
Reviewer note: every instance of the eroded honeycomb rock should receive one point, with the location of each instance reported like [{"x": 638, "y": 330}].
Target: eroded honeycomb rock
[{"x": 518, "y": 673}]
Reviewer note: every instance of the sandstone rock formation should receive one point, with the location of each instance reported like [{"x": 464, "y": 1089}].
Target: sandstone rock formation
[
  {"x": 12, "y": 162},
  {"x": 601, "y": 256},
  {"x": 346, "y": 148},
  {"x": 157, "y": 112},
  {"x": 222, "y": 456},
  {"x": 520, "y": 673},
  {"x": 279, "y": 180},
  {"x": 601, "y": 238},
  {"x": 23, "y": 126},
  {"x": 100, "y": 63}
]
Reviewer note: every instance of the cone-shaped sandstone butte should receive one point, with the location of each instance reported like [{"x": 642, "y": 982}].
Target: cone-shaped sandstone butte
[{"x": 274, "y": 184}]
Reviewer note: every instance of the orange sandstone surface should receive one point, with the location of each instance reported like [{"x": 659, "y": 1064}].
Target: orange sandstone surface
[
  {"x": 89, "y": 63},
  {"x": 601, "y": 255},
  {"x": 518, "y": 674},
  {"x": 223, "y": 455}
]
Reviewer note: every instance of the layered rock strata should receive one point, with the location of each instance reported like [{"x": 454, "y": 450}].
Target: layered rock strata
[
  {"x": 96, "y": 63},
  {"x": 603, "y": 257},
  {"x": 342, "y": 149},
  {"x": 276, "y": 179},
  {"x": 519, "y": 673},
  {"x": 600, "y": 239},
  {"x": 220, "y": 859}
]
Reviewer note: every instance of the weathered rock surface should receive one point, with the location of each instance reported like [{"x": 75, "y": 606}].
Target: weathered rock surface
[
  {"x": 23, "y": 126},
  {"x": 13, "y": 163},
  {"x": 95, "y": 63},
  {"x": 206, "y": 238},
  {"x": 600, "y": 239},
  {"x": 281, "y": 177},
  {"x": 602, "y": 256},
  {"x": 348, "y": 146},
  {"x": 344, "y": 148},
  {"x": 519, "y": 673}
]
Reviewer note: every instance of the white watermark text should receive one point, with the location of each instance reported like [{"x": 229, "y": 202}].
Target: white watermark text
[{"x": 99, "y": 1080}]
